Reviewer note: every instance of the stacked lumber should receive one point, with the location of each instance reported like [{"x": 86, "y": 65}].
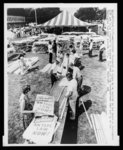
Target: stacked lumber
[
  {"x": 40, "y": 46},
  {"x": 23, "y": 45},
  {"x": 14, "y": 67},
  {"x": 46, "y": 68},
  {"x": 101, "y": 128}
]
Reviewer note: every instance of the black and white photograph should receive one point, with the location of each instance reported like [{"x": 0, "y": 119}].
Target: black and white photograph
[{"x": 60, "y": 74}]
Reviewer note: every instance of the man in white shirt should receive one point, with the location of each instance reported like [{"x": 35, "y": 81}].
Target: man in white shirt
[
  {"x": 22, "y": 64},
  {"x": 65, "y": 64},
  {"x": 72, "y": 94},
  {"x": 77, "y": 75},
  {"x": 101, "y": 51},
  {"x": 71, "y": 58},
  {"x": 56, "y": 71},
  {"x": 76, "y": 71}
]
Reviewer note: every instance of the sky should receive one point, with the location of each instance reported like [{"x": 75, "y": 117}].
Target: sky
[
  {"x": 70, "y": 10},
  {"x": 70, "y": 7}
]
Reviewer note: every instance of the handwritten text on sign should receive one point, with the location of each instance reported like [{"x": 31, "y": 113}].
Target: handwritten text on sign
[
  {"x": 44, "y": 105},
  {"x": 40, "y": 131}
]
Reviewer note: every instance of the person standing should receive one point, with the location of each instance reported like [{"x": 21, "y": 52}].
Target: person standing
[
  {"x": 59, "y": 48},
  {"x": 81, "y": 46},
  {"x": 56, "y": 71},
  {"x": 72, "y": 94},
  {"x": 77, "y": 75},
  {"x": 55, "y": 48},
  {"x": 61, "y": 56},
  {"x": 90, "y": 47},
  {"x": 22, "y": 63},
  {"x": 50, "y": 49},
  {"x": 26, "y": 106},
  {"x": 65, "y": 64},
  {"x": 71, "y": 57},
  {"x": 101, "y": 51}
]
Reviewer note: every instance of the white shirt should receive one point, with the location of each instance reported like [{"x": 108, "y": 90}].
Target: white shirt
[
  {"x": 65, "y": 61},
  {"x": 72, "y": 87},
  {"x": 76, "y": 55},
  {"x": 91, "y": 45},
  {"x": 76, "y": 72},
  {"x": 102, "y": 47},
  {"x": 56, "y": 69},
  {"x": 50, "y": 48},
  {"x": 71, "y": 58},
  {"x": 22, "y": 102}
]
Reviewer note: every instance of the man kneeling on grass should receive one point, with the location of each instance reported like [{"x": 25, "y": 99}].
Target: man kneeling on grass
[
  {"x": 72, "y": 94},
  {"x": 26, "y": 106}
]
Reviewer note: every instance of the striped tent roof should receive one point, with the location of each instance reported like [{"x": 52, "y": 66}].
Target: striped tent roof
[{"x": 65, "y": 19}]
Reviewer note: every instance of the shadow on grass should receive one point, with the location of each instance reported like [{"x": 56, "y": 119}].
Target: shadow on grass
[
  {"x": 94, "y": 55},
  {"x": 85, "y": 53}
]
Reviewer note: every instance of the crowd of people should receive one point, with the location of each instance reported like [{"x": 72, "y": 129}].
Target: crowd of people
[
  {"x": 66, "y": 64},
  {"x": 25, "y": 31}
]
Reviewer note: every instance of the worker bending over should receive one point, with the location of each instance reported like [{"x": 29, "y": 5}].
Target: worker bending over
[{"x": 72, "y": 94}]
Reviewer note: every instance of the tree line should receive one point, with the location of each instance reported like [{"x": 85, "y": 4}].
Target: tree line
[{"x": 45, "y": 14}]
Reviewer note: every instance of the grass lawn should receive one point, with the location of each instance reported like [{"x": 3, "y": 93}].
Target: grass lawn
[{"x": 94, "y": 75}]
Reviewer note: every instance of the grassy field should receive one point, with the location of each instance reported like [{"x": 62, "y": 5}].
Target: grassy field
[{"x": 94, "y": 76}]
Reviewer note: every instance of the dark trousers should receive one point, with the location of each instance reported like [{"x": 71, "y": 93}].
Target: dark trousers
[
  {"x": 79, "y": 81},
  {"x": 53, "y": 78},
  {"x": 50, "y": 57},
  {"x": 101, "y": 55},
  {"x": 90, "y": 53}
]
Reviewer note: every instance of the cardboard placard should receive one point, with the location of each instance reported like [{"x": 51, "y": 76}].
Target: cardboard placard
[
  {"x": 41, "y": 130},
  {"x": 44, "y": 105}
]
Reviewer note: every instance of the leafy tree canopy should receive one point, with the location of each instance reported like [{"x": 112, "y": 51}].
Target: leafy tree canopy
[
  {"x": 43, "y": 14},
  {"x": 90, "y": 13}
]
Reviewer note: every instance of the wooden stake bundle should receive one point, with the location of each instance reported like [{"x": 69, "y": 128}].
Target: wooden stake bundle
[
  {"x": 87, "y": 115},
  {"x": 94, "y": 127},
  {"x": 63, "y": 108},
  {"x": 98, "y": 129},
  {"x": 62, "y": 103},
  {"x": 102, "y": 130}
]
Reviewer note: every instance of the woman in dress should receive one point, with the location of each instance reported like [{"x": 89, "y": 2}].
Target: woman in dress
[{"x": 26, "y": 106}]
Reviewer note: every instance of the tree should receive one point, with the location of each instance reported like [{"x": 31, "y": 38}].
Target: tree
[
  {"x": 15, "y": 12},
  {"x": 43, "y": 14},
  {"x": 91, "y": 13}
]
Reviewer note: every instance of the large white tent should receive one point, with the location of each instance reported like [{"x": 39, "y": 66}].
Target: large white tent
[{"x": 66, "y": 19}]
